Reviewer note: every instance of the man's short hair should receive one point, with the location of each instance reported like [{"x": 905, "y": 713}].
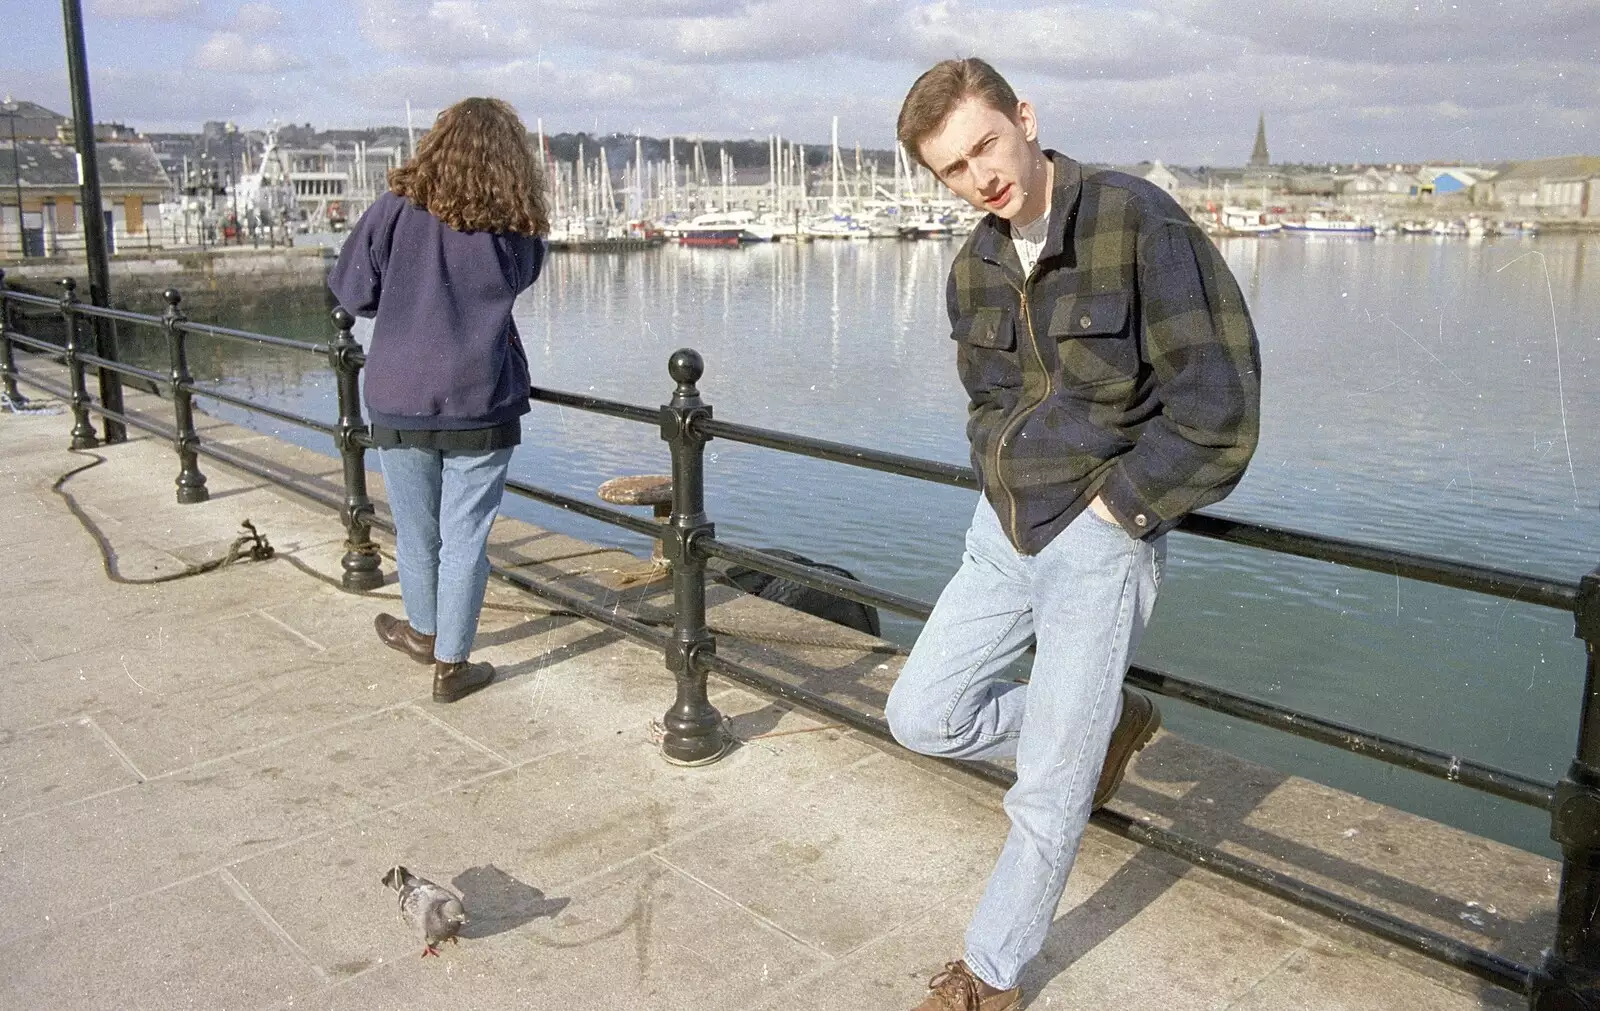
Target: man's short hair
[{"x": 938, "y": 91}]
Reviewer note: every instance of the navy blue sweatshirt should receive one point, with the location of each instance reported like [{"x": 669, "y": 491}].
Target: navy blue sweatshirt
[{"x": 445, "y": 352}]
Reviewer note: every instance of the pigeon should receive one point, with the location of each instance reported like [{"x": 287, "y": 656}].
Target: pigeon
[{"x": 434, "y": 911}]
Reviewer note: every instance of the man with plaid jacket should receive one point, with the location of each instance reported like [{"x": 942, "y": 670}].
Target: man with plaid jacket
[{"x": 1114, "y": 384}]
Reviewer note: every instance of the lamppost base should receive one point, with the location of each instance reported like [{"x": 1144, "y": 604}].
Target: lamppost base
[
  {"x": 1569, "y": 991},
  {"x": 720, "y": 749},
  {"x": 704, "y": 743}
]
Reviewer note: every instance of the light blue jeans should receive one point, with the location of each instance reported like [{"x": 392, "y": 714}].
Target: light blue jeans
[
  {"x": 444, "y": 504},
  {"x": 1082, "y": 602}
]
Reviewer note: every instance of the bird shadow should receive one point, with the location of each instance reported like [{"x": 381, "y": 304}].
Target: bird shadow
[{"x": 497, "y": 902}]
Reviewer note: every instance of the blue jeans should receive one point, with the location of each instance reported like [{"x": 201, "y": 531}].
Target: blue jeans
[
  {"x": 444, "y": 504},
  {"x": 1082, "y": 602}
]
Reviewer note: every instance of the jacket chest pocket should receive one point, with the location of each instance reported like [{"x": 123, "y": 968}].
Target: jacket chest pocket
[
  {"x": 1094, "y": 338},
  {"x": 987, "y": 355},
  {"x": 989, "y": 328}
]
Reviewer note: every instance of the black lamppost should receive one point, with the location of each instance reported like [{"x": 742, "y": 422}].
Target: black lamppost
[
  {"x": 233, "y": 189},
  {"x": 11, "y": 108}
]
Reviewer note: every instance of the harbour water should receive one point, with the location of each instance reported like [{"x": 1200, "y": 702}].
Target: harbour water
[{"x": 1435, "y": 395}]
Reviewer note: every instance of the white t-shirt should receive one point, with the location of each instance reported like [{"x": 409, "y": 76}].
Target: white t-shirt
[{"x": 1030, "y": 239}]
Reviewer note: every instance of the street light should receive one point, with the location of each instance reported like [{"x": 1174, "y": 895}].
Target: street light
[
  {"x": 233, "y": 190},
  {"x": 11, "y": 109}
]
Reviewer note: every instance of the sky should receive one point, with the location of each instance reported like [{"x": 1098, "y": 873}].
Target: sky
[{"x": 1113, "y": 80}]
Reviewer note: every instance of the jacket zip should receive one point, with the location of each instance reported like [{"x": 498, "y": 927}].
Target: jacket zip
[{"x": 1022, "y": 415}]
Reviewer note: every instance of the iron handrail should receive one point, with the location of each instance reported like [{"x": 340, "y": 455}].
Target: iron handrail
[
  {"x": 288, "y": 417},
  {"x": 596, "y": 405},
  {"x": 840, "y": 452},
  {"x": 249, "y": 337},
  {"x": 1435, "y": 569}
]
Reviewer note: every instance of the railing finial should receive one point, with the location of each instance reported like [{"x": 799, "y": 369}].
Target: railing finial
[{"x": 686, "y": 367}]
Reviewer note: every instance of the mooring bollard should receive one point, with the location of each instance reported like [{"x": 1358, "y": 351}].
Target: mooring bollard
[
  {"x": 362, "y": 566},
  {"x": 8, "y": 363},
  {"x": 645, "y": 489},
  {"x": 1570, "y": 980},
  {"x": 191, "y": 483},
  {"x": 693, "y": 732},
  {"x": 83, "y": 434}
]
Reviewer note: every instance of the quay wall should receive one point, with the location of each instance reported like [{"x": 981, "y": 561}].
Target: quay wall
[{"x": 242, "y": 278}]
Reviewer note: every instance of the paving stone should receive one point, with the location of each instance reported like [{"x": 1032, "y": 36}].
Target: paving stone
[
  {"x": 892, "y": 971},
  {"x": 149, "y": 663},
  {"x": 163, "y": 734},
  {"x": 642, "y": 938},
  {"x": 164, "y": 830},
  {"x": 850, "y": 857},
  {"x": 1186, "y": 946},
  {"x": 193, "y": 946},
  {"x": 540, "y": 826},
  {"x": 55, "y": 764},
  {"x": 1324, "y": 977},
  {"x": 562, "y": 685}
]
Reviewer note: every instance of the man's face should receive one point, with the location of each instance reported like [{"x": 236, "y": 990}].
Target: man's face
[{"x": 991, "y": 161}]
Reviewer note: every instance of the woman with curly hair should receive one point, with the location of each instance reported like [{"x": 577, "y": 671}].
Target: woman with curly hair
[{"x": 438, "y": 260}]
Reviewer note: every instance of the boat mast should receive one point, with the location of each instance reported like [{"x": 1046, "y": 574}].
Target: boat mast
[{"x": 836, "y": 168}]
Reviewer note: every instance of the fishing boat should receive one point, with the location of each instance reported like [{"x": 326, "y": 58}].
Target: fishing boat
[
  {"x": 1322, "y": 223},
  {"x": 1245, "y": 221}
]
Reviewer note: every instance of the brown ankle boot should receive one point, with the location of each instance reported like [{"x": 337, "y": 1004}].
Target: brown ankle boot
[
  {"x": 397, "y": 634},
  {"x": 452, "y": 681},
  {"x": 957, "y": 989},
  {"x": 1139, "y": 722}
]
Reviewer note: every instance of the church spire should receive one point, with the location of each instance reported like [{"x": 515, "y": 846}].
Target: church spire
[{"x": 1258, "y": 157}]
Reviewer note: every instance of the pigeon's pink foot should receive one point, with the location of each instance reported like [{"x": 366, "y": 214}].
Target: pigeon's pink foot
[{"x": 429, "y": 950}]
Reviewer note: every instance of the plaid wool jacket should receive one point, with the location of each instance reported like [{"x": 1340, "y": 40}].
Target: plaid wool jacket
[{"x": 1124, "y": 365}]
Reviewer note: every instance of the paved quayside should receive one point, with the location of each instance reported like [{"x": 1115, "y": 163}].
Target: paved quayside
[{"x": 202, "y": 781}]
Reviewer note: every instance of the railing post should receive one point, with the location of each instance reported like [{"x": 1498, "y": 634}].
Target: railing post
[
  {"x": 191, "y": 483},
  {"x": 8, "y": 362},
  {"x": 693, "y": 733},
  {"x": 83, "y": 434},
  {"x": 362, "y": 567},
  {"x": 1571, "y": 977}
]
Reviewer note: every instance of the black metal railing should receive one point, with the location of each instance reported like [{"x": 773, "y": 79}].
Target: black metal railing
[{"x": 1569, "y": 978}]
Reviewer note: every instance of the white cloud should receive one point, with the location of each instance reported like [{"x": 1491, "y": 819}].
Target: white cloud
[
  {"x": 1066, "y": 40},
  {"x": 145, "y": 10},
  {"x": 1114, "y": 79},
  {"x": 231, "y": 51}
]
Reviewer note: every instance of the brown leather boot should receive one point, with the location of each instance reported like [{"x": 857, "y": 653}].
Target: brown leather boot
[
  {"x": 1139, "y": 722},
  {"x": 452, "y": 681},
  {"x": 397, "y": 634},
  {"x": 957, "y": 989}
]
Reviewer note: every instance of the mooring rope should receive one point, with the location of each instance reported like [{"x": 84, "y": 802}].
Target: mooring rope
[{"x": 252, "y": 545}]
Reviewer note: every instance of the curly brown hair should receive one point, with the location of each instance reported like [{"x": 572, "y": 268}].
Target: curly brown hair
[{"x": 477, "y": 172}]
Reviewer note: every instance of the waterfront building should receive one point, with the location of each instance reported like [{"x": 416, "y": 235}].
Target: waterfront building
[
  {"x": 1444, "y": 180},
  {"x": 1382, "y": 181},
  {"x": 1565, "y": 187},
  {"x": 1157, "y": 174},
  {"x": 45, "y": 175}
]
